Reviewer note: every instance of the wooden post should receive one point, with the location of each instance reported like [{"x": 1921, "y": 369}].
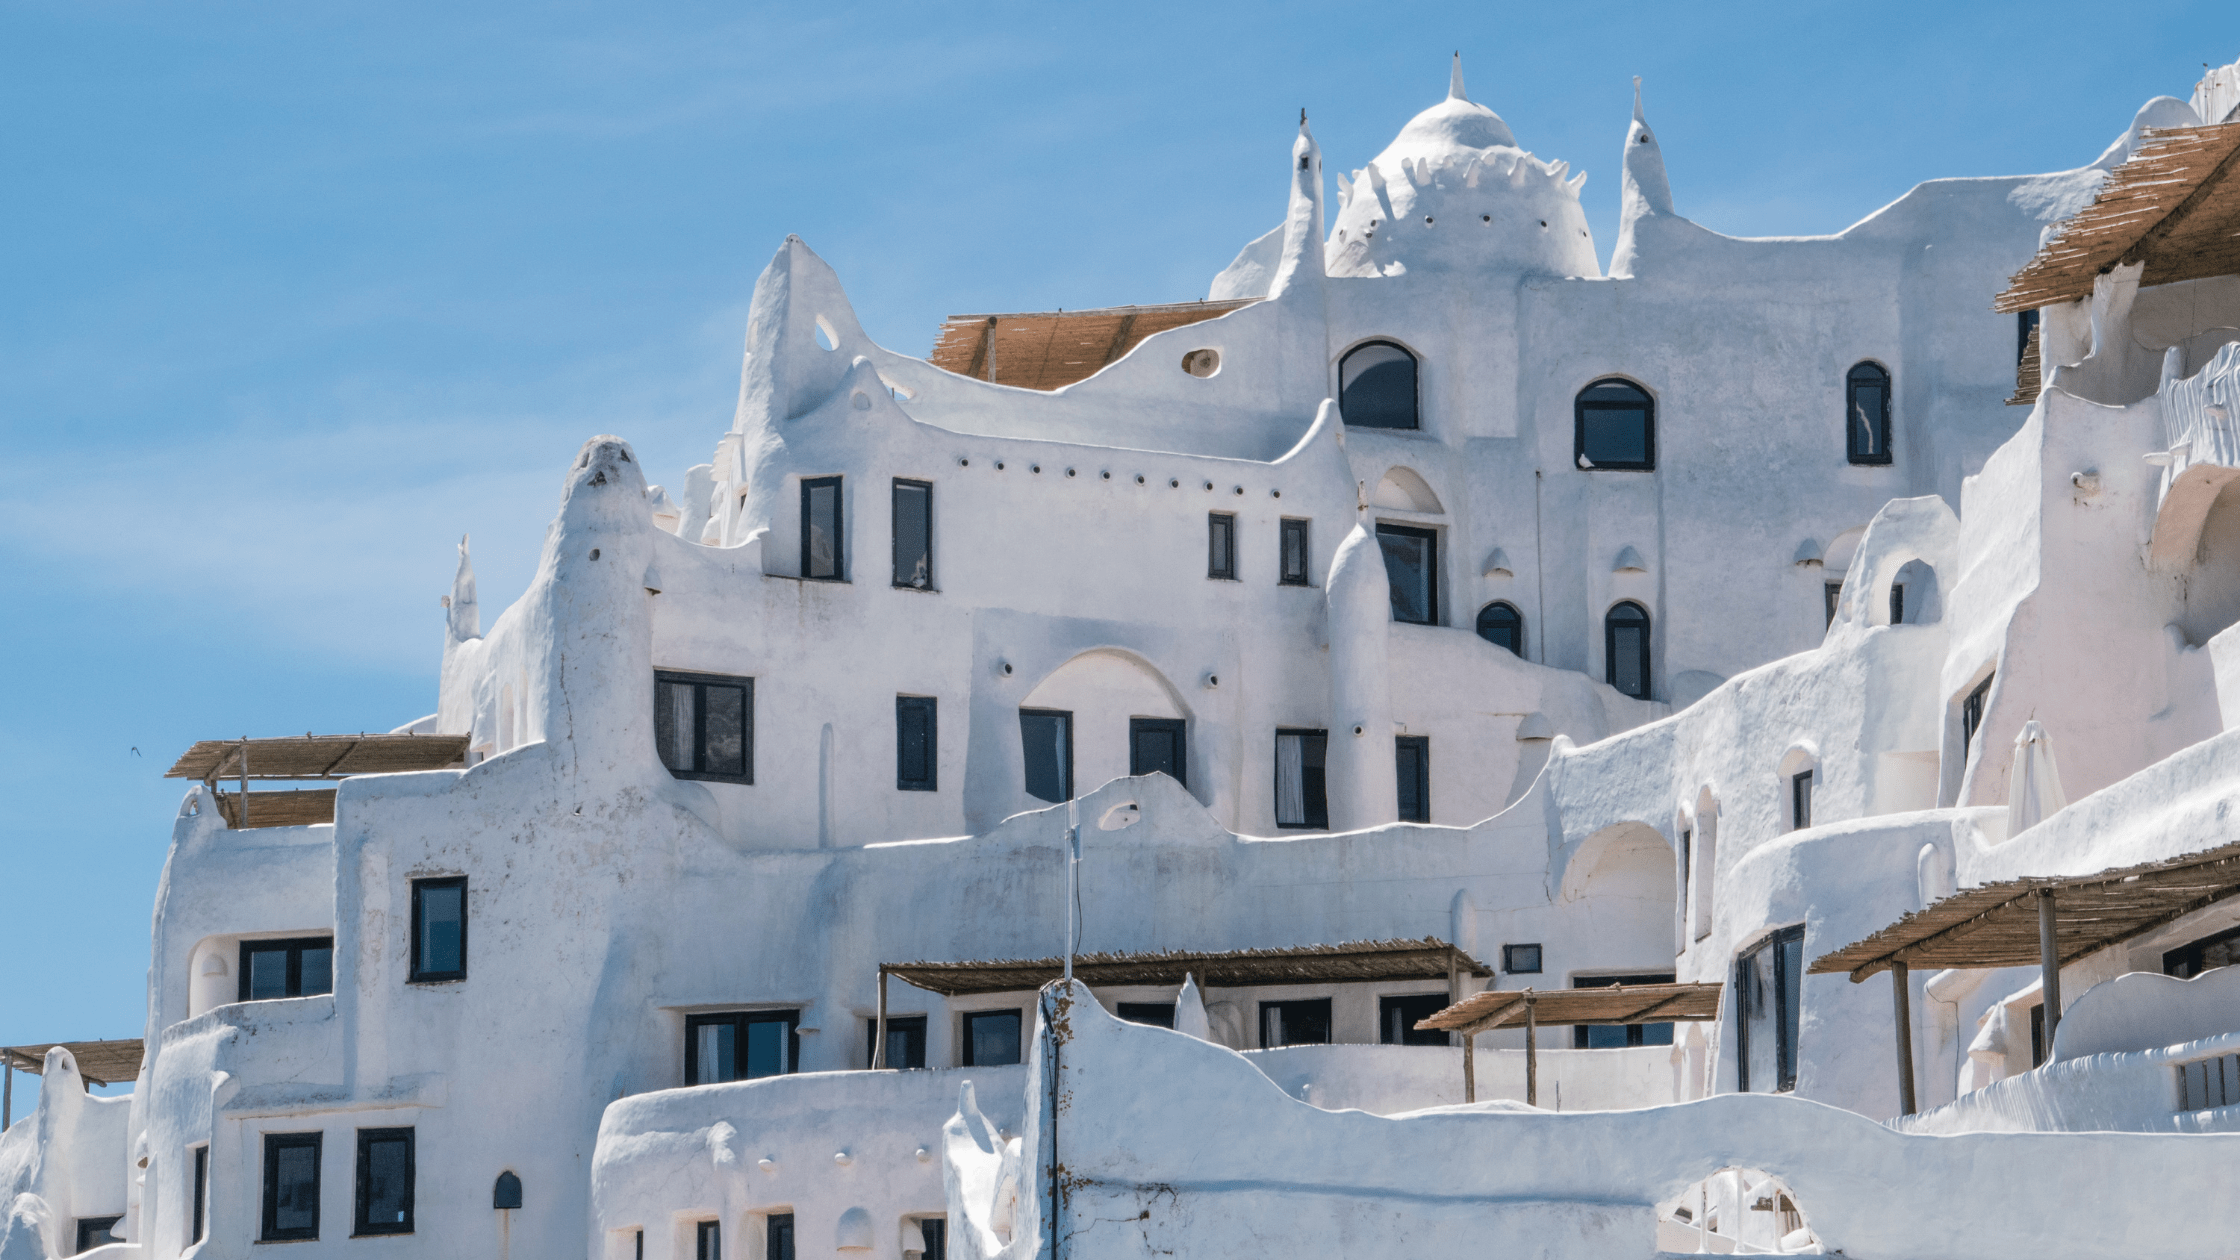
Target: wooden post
[
  {"x": 1901, "y": 993},
  {"x": 1469, "y": 1066},
  {"x": 242, "y": 812},
  {"x": 2049, "y": 965},
  {"x": 1531, "y": 1051},
  {"x": 879, "y": 1030},
  {"x": 7, "y": 1091}
]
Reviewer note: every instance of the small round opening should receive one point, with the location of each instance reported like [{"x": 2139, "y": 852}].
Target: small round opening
[
  {"x": 1034, "y": 468},
  {"x": 1209, "y": 487},
  {"x": 594, "y": 553},
  {"x": 964, "y": 463},
  {"x": 1007, "y": 669},
  {"x": 999, "y": 465},
  {"x": 1357, "y": 730},
  {"x": 1543, "y": 223},
  {"x": 1106, "y": 475},
  {"x": 826, "y": 338},
  {"x": 1275, "y": 494},
  {"x": 1069, "y": 472},
  {"x": 1202, "y": 363},
  {"x": 1139, "y": 479},
  {"x": 1240, "y": 489},
  {"x": 1427, "y": 220},
  {"x": 1485, "y": 218}
]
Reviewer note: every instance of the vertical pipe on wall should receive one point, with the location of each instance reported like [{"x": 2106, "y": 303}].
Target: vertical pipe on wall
[
  {"x": 1902, "y": 997},
  {"x": 2049, "y": 964}
]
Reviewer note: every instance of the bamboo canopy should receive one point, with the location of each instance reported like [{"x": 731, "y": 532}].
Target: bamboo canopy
[
  {"x": 1997, "y": 925},
  {"x": 1051, "y": 349},
  {"x": 1427, "y": 959},
  {"x": 102, "y": 1062},
  {"x": 318, "y": 756},
  {"x": 2175, "y": 206},
  {"x": 1612, "y": 1004}
]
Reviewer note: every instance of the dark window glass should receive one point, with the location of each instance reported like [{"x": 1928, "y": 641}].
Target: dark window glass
[
  {"x": 505, "y": 1194},
  {"x": 1971, "y": 715},
  {"x": 1866, "y": 409},
  {"x": 284, "y": 969},
  {"x": 821, "y": 555},
  {"x": 1897, "y": 603},
  {"x": 1800, "y": 800},
  {"x": 935, "y": 1231},
  {"x": 1156, "y": 1014},
  {"x": 95, "y": 1231},
  {"x": 1833, "y": 591},
  {"x": 1768, "y": 1005},
  {"x": 1302, "y": 787},
  {"x": 1625, "y": 644},
  {"x": 916, "y": 742},
  {"x": 1295, "y": 1022},
  {"x": 291, "y": 1186},
  {"x": 1377, "y": 387},
  {"x": 1411, "y": 565},
  {"x": 1221, "y": 545},
  {"x": 1293, "y": 537},
  {"x": 1615, "y": 426},
  {"x": 384, "y": 1181},
  {"x": 201, "y": 1206},
  {"x": 1500, "y": 623},
  {"x": 777, "y": 1237},
  {"x": 740, "y": 1046},
  {"x": 2038, "y": 1035},
  {"x": 2188, "y": 961},
  {"x": 439, "y": 929},
  {"x": 991, "y": 1038},
  {"x": 906, "y": 1040},
  {"x": 1397, "y": 1016},
  {"x": 707, "y": 1240},
  {"x": 1521, "y": 960},
  {"x": 1615, "y": 1036},
  {"x": 1413, "y": 760},
  {"x": 703, "y": 725},
  {"x": 1158, "y": 745},
  {"x": 2025, "y": 323},
  {"x": 1046, "y": 737},
  {"x": 913, "y": 534}
]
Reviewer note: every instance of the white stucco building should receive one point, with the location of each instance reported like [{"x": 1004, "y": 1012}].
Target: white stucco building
[{"x": 1675, "y": 625}]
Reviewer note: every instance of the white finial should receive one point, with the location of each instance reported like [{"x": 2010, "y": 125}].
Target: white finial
[
  {"x": 1637, "y": 99},
  {"x": 1454, "y": 82}
]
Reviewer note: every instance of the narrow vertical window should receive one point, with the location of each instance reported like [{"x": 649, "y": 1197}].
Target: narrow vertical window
[
  {"x": 822, "y": 555},
  {"x": 1500, "y": 624},
  {"x": 1800, "y": 800},
  {"x": 1625, "y": 643},
  {"x": 1768, "y": 1004},
  {"x": 439, "y": 929},
  {"x": 703, "y": 725},
  {"x": 1411, "y": 564},
  {"x": 777, "y": 1237},
  {"x": 291, "y": 1187},
  {"x": 1302, "y": 791},
  {"x": 1292, "y": 540},
  {"x": 1221, "y": 546},
  {"x": 707, "y": 1240},
  {"x": 199, "y": 1209},
  {"x": 1971, "y": 715},
  {"x": 935, "y": 1231},
  {"x": 916, "y": 743},
  {"x": 1377, "y": 387},
  {"x": 741, "y": 1046},
  {"x": 1866, "y": 409},
  {"x": 1832, "y": 592},
  {"x": 384, "y": 1182},
  {"x": 1614, "y": 426},
  {"x": 1897, "y": 603},
  {"x": 1046, "y": 738},
  {"x": 1397, "y": 1018},
  {"x": 1159, "y": 746},
  {"x": 913, "y": 534},
  {"x": 991, "y": 1038},
  {"x": 1413, "y": 753}
]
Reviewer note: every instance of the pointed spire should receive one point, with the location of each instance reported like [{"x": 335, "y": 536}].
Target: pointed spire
[
  {"x": 1454, "y": 81},
  {"x": 462, "y": 619},
  {"x": 1637, "y": 100}
]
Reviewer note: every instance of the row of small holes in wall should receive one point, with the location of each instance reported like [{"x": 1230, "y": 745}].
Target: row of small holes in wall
[
  {"x": 1173, "y": 483},
  {"x": 1483, "y": 218}
]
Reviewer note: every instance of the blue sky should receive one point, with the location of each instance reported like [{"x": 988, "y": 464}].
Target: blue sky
[{"x": 291, "y": 296}]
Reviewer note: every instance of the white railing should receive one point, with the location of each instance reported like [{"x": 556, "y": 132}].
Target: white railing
[{"x": 2206, "y": 1083}]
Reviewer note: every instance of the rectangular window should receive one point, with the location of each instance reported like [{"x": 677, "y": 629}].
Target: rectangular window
[
  {"x": 916, "y": 743},
  {"x": 285, "y": 969},
  {"x": 1302, "y": 791},
  {"x": 740, "y": 1046},
  {"x": 2188, "y": 961},
  {"x": 1158, "y": 745},
  {"x": 703, "y": 725},
  {"x": 439, "y": 929},
  {"x": 822, "y": 557},
  {"x": 291, "y": 1186},
  {"x": 1521, "y": 960},
  {"x": 913, "y": 534},
  {"x": 1295, "y": 1022},
  {"x": 95, "y": 1231},
  {"x": 1769, "y": 996},
  {"x": 1897, "y": 603},
  {"x": 1221, "y": 545},
  {"x": 1292, "y": 537},
  {"x": 1156, "y": 1014},
  {"x": 1397, "y": 1017},
  {"x": 906, "y": 1041},
  {"x": 935, "y": 1231},
  {"x": 991, "y": 1038},
  {"x": 384, "y": 1182},
  {"x": 1413, "y": 753},
  {"x": 777, "y": 1237},
  {"x": 707, "y": 1240},
  {"x": 1411, "y": 564},
  {"x": 1971, "y": 715},
  {"x": 1046, "y": 737},
  {"x": 1832, "y": 592},
  {"x": 1614, "y": 1036},
  {"x": 198, "y": 1209},
  {"x": 1800, "y": 800}
]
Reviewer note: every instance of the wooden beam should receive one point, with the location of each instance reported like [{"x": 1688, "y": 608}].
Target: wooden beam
[
  {"x": 1531, "y": 1053},
  {"x": 1119, "y": 339},
  {"x": 2049, "y": 967},
  {"x": 1901, "y": 992},
  {"x": 879, "y": 1032},
  {"x": 2183, "y": 210}
]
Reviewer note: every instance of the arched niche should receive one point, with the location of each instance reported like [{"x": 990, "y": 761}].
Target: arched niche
[
  {"x": 1629, "y": 859},
  {"x": 2212, "y": 581},
  {"x": 1404, "y": 489},
  {"x": 1107, "y": 690}
]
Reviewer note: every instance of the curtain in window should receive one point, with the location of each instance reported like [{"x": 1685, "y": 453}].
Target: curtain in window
[{"x": 1291, "y": 781}]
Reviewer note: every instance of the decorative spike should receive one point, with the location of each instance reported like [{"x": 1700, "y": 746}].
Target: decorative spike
[{"x": 1454, "y": 80}]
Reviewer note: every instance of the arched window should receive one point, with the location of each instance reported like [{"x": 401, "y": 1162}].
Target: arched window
[
  {"x": 1625, "y": 635},
  {"x": 1500, "y": 623},
  {"x": 1377, "y": 387},
  {"x": 1866, "y": 410},
  {"x": 1616, "y": 426}
]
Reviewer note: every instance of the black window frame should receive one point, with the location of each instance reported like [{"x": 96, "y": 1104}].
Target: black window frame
[
  {"x": 1398, "y": 1012},
  {"x": 1610, "y": 626},
  {"x": 839, "y": 528},
  {"x": 1582, "y": 1035},
  {"x": 1512, "y": 956},
  {"x": 700, "y": 683},
  {"x": 1786, "y": 1055},
  {"x": 1897, "y": 603},
  {"x": 294, "y": 947},
  {"x": 912, "y": 1030},
  {"x": 1430, "y": 537},
  {"x": 1177, "y": 728},
  {"x": 778, "y": 1237},
  {"x": 1420, "y": 786},
  {"x": 1971, "y": 714},
  {"x": 1415, "y": 388},
  {"x": 1866, "y": 373},
  {"x": 362, "y": 1226},
  {"x": 1329, "y": 1033},
  {"x": 91, "y": 1225},
  {"x": 934, "y": 1231},
  {"x": 1314, "y": 781},
  {"x": 1065, "y": 717},
  {"x": 966, "y": 1057},
  {"x": 1149, "y": 1014},
  {"x": 739, "y": 1021},
  {"x": 274, "y": 1143},
  {"x": 1516, "y": 617},
  {"x": 1581, "y": 405},
  {"x": 1221, "y": 546},
  {"x": 901, "y": 487},
  {"x": 2185, "y": 961},
  {"x": 420, "y": 887},
  {"x": 1288, "y": 529},
  {"x": 707, "y": 1240},
  {"x": 904, "y": 709},
  {"x": 1833, "y": 593},
  {"x": 198, "y": 1210},
  {"x": 1800, "y": 799},
  {"x": 2025, "y": 323}
]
